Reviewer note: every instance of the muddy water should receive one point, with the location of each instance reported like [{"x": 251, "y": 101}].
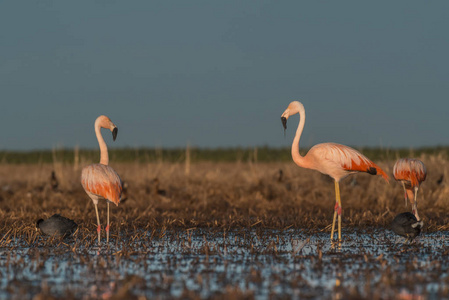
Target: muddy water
[{"x": 258, "y": 263}]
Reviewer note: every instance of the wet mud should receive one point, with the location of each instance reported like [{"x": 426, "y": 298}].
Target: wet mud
[{"x": 243, "y": 264}]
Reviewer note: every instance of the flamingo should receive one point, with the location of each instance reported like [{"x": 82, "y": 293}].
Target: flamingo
[
  {"x": 100, "y": 181},
  {"x": 410, "y": 172},
  {"x": 335, "y": 160}
]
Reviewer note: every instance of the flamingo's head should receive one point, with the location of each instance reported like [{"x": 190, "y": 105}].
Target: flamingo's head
[
  {"x": 292, "y": 109},
  {"x": 105, "y": 122}
]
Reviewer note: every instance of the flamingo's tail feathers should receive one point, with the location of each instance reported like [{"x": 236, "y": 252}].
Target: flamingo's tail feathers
[
  {"x": 376, "y": 170},
  {"x": 384, "y": 175}
]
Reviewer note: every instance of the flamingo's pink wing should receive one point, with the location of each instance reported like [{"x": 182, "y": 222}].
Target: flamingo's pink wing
[
  {"x": 351, "y": 160},
  {"x": 103, "y": 181}
]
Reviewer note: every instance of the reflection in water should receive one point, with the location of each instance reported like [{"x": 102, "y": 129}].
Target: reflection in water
[{"x": 260, "y": 263}]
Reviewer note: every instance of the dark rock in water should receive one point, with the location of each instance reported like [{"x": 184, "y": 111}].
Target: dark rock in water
[
  {"x": 57, "y": 225},
  {"x": 406, "y": 225}
]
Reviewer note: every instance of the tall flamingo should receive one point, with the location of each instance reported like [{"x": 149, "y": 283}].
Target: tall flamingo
[
  {"x": 100, "y": 181},
  {"x": 335, "y": 160},
  {"x": 410, "y": 172}
]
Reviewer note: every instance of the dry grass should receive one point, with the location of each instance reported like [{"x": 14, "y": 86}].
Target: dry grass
[{"x": 221, "y": 195}]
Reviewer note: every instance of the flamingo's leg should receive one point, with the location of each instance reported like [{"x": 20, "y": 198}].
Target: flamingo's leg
[
  {"x": 333, "y": 222},
  {"x": 415, "y": 205},
  {"x": 405, "y": 193},
  {"x": 337, "y": 211},
  {"x": 337, "y": 192},
  {"x": 98, "y": 222},
  {"x": 107, "y": 227}
]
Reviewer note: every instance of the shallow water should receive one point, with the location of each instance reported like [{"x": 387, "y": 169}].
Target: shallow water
[{"x": 260, "y": 263}]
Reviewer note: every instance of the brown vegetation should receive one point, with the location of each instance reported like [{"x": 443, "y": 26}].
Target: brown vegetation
[{"x": 221, "y": 195}]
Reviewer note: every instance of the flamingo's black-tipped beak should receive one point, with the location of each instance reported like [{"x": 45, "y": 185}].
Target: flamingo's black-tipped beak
[
  {"x": 114, "y": 133},
  {"x": 284, "y": 123},
  {"x": 418, "y": 224}
]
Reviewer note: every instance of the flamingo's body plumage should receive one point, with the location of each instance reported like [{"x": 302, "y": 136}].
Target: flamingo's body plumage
[
  {"x": 100, "y": 181},
  {"x": 339, "y": 161},
  {"x": 335, "y": 160},
  {"x": 410, "y": 172}
]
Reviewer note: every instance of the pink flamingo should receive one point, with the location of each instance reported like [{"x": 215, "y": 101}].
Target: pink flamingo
[
  {"x": 100, "y": 181},
  {"x": 335, "y": 160},
  {"x": 410, "y": 172}
]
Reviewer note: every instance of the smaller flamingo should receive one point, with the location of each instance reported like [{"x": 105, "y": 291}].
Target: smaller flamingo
[
  {"x": 410, "y": 172},
  {"x": 100, "y": 181}
]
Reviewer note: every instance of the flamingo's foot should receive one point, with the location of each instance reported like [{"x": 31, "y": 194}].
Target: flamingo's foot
[{"x": 336, "y": 244}]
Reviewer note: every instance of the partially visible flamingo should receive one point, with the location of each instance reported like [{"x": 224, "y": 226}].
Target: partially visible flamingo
[
  {"x": 410, "y": 172},
  {"x": 335, "y": 160},
  {"x": 100, "y": 181}
]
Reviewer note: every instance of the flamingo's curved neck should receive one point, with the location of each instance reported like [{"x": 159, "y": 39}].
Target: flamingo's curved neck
[
  {"x": 104, "y": 157},
  {"x": 297, "y": 158}
]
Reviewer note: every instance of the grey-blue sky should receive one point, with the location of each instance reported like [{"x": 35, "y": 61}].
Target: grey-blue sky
[{"x": 220, "y": 73}]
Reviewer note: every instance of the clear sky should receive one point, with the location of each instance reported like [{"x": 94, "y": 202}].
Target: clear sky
[{"x": 220, "y": 73}]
